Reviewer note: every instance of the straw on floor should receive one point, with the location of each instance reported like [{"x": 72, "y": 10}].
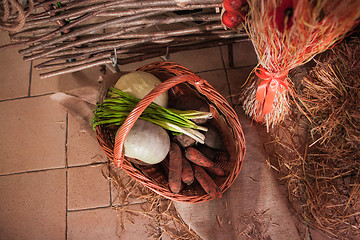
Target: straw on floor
[{"x": 316, "y": 149}]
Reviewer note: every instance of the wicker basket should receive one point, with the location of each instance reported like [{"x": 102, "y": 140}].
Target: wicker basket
[{"x": 180, "y": 80}]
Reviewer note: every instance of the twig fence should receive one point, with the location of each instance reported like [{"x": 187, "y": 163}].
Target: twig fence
[{"x": 72, "y": 35}]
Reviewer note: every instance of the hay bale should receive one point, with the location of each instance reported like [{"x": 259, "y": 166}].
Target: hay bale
[{"x": 317, "y": 148}]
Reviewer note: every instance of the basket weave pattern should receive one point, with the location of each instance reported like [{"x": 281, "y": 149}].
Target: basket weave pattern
[{"x": 224, "y": 118}]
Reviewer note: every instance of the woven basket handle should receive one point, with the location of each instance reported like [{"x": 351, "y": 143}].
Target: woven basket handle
[{"x": 118, "y": 158}]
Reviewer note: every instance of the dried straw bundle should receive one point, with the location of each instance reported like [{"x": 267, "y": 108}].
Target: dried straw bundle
[
  {"x": 286, "y": 34},
  {"x": 331, "y": 98},
  {"x": 317, "y": 148}
]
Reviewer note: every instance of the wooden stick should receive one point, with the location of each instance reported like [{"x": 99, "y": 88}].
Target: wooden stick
[
  {"x": 34, "y": 31},
  {"x": 148, "y": 50},
  {"x": 65, "y": 7},
  {"x": 69, "y": 13},
  {"x": 63, "y": 28},
  {"x": 117, "y": 44},
  {"x": 74, "y": 63},
  {"x": 157, "y": 53},
  {"x": 181, "y": 32},
  {"x": 120, "y": 13},
  {"x": 86, "y": 30},
  {"x": 97, "y": 38},
  {"x": 73, "y": 44},
  {"x": 41, "y": 4},
  {"x": 76, "y": 68}
]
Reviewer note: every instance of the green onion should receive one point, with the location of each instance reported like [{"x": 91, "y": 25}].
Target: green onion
[{"x": 118, "y": 105}]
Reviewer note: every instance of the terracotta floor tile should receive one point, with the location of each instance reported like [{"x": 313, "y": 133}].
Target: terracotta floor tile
[
  {"x": 64, "y": 82},
  {"x": 15, "y": 73},
  {"x": 105, "y": 223},
  {"x": 33, "y": 205},
  {"x": 138, "y": 226},
  {"x": 199, "y": 60},
  {"x": 32, "y": 135},
  {"x": 87, "y": 188},
  {"x": 217, "y": 79},
  {"x": 243, "y": 54},
  {"x": 93, "y": 224},
  {"x": 82, "y": 149}
]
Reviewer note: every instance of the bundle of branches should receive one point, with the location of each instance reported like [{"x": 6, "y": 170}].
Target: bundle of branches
[
  {"x": 73, "y": 35},
  {"x": 154, "y": 206},
  {"x": 317, "y": 148},
  {"x": 287, "y": 34}
]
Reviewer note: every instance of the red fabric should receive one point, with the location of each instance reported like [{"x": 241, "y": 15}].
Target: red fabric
[{"x": 266, "y": 91}]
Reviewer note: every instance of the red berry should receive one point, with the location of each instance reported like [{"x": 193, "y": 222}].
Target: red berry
[
  {"x": 234, "y": 6},
  {"x": 231, "y": 20}
]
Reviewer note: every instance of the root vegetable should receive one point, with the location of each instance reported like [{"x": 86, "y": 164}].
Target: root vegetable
[
  {"x": 147, "y": 142},
  {"x": 207, "y": 183},
  {"x": 198, "y": 158},
  {"x": 139, "y": 84},
  {"x": 207, "y": 151},
  {"x": 175, "y": 168},
  {"x": 187, "y": 175},
  {"x": 216, "y": 170}
]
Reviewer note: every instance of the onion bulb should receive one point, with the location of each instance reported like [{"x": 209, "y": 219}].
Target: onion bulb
[
  {"x": 147, "y": 142},
  {"x": 139, "y": 84}
]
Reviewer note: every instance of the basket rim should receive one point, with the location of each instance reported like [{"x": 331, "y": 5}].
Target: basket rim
[{"x": 222, "y": 107}]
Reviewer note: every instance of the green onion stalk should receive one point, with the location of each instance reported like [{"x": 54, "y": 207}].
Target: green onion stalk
[{"x": 118, "y": 105}]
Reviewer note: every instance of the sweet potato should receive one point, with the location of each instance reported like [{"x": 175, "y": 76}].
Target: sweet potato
[
  {"x": 187, "y": 172},
  {"x": 197, "y": 157},
  {"x": 207, "y": 183},
  {"x": 175, "y": 168},
  {"x": 216, "y": 170}
]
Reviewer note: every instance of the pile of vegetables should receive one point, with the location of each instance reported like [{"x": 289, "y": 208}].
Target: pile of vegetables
[
  {"x": 119, "y": 104},
  {"x": 187, "y": 164},
  {"x": 162, "y": 135}
]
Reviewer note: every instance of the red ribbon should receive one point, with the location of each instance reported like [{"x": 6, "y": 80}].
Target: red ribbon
[{"x": 266, "y": 91}]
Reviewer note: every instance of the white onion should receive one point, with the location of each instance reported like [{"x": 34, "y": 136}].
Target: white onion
[
  {"x": 147, "y": 142},
  {"x": 139, "y": 84}
]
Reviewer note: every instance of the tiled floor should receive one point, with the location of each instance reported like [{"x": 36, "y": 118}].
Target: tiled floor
[{"x": 51, "y": 181}]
